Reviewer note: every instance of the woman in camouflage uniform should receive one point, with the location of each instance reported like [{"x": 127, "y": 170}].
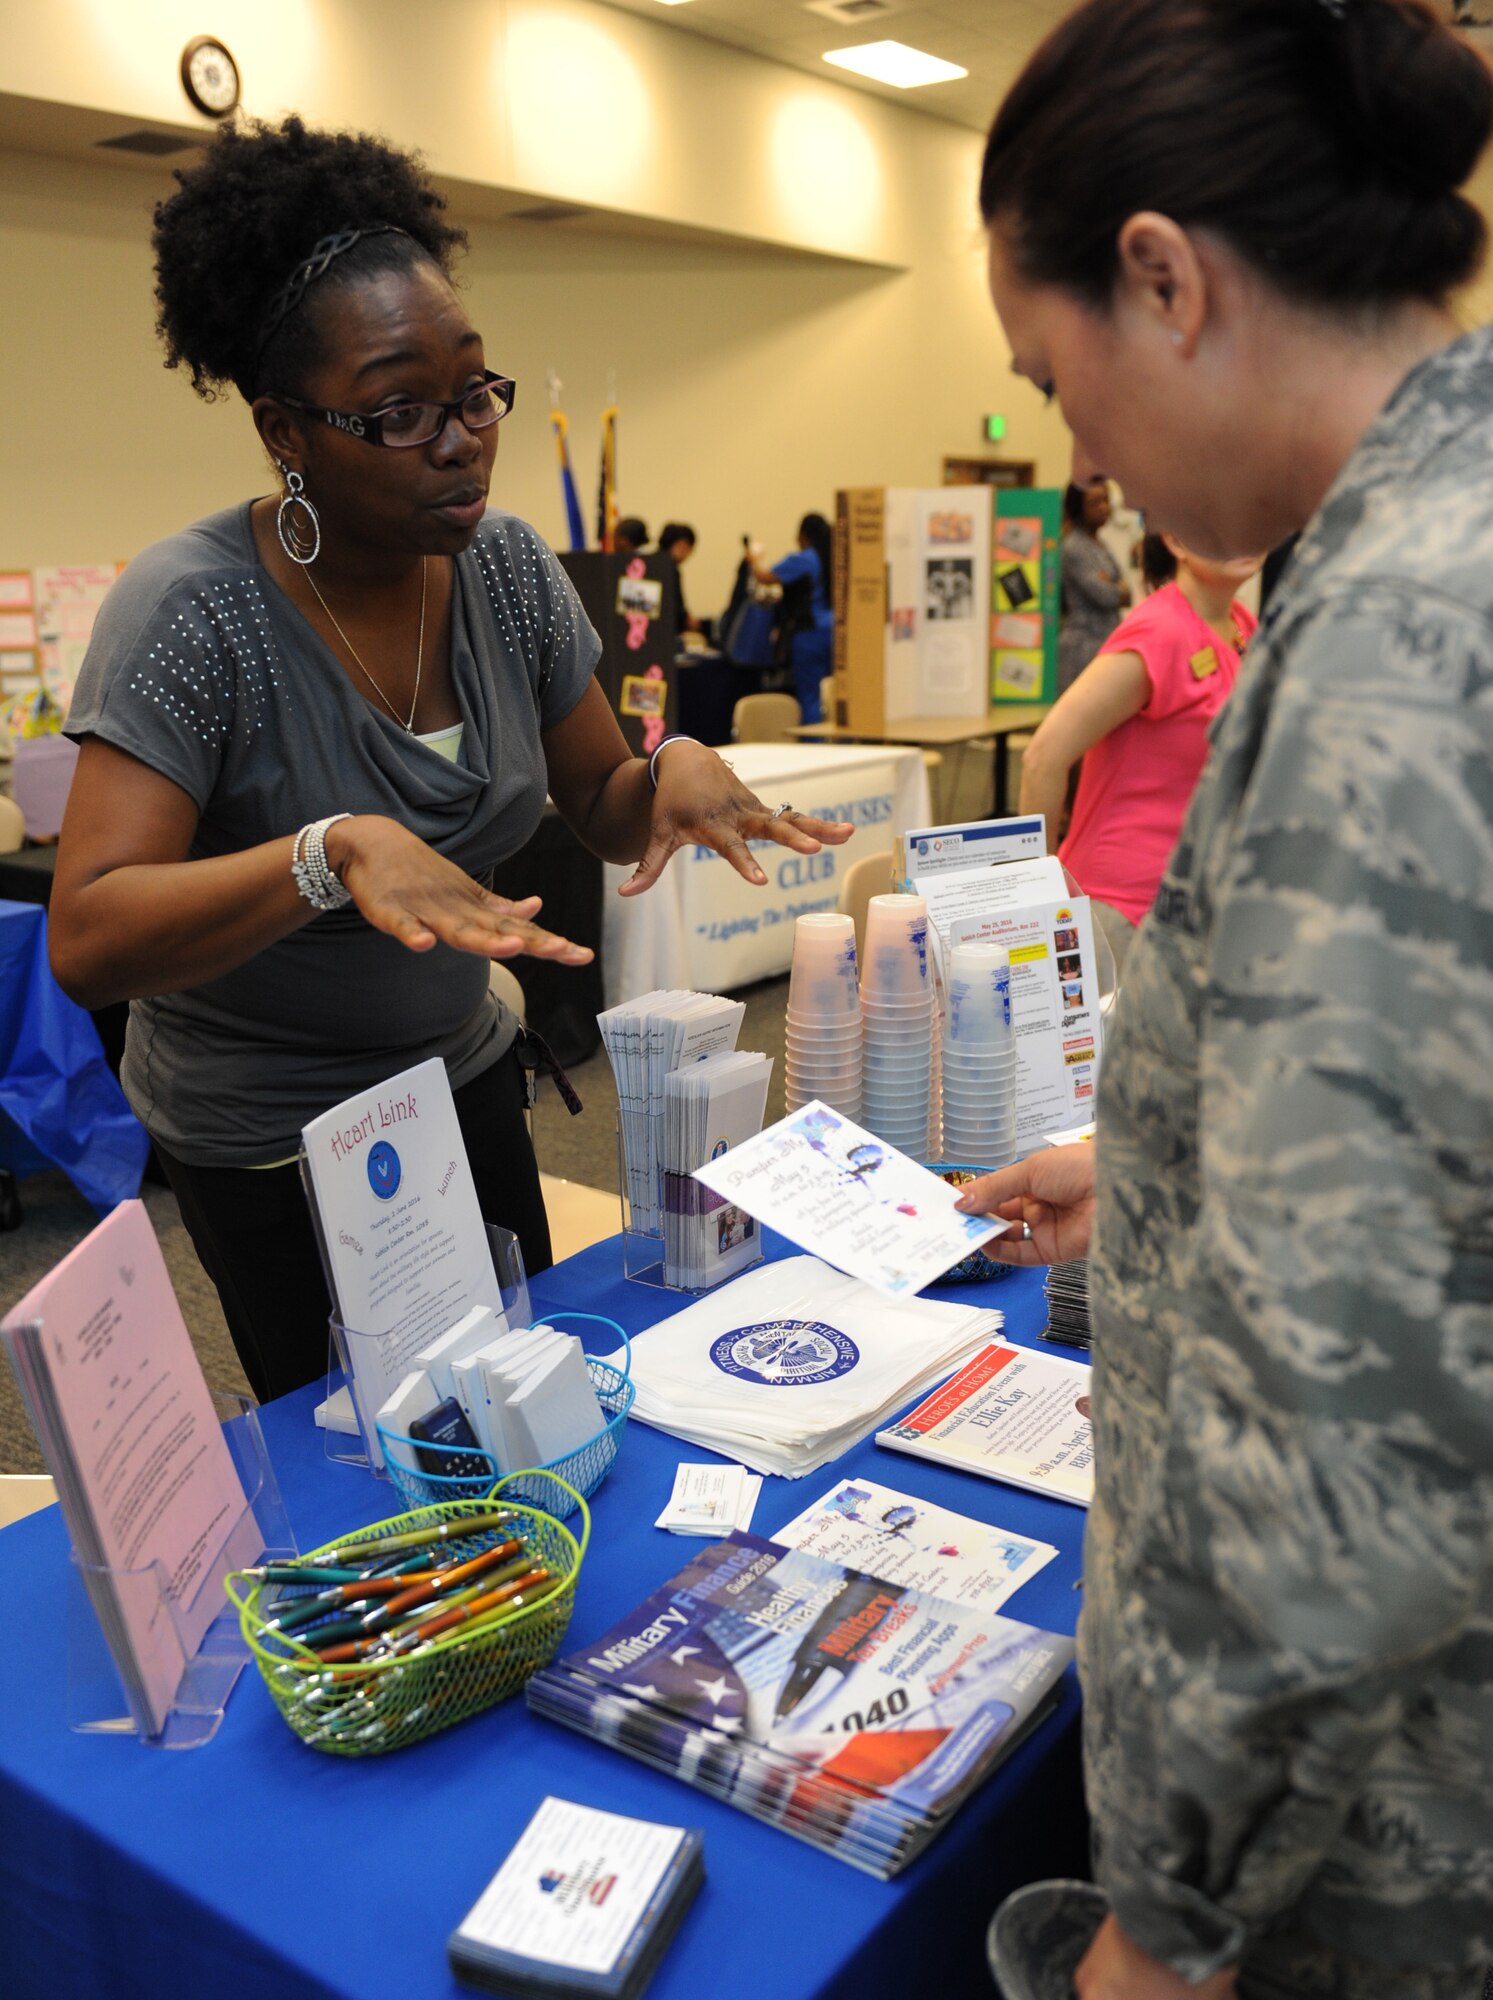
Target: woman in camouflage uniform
[{"x": 1225, "y": 234}]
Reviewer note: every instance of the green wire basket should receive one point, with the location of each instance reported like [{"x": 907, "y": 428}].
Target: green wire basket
[{"x": 368, "y": 1707}]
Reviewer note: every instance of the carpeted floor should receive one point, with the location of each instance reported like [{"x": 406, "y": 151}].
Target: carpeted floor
[{"x": 580, "y": 1149}]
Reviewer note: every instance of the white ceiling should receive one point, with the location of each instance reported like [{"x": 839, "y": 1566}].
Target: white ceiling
[{"x": 989, "y": 38}]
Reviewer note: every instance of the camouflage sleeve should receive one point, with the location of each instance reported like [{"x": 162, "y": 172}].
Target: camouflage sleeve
[{"x": 1316, "y": 1542}]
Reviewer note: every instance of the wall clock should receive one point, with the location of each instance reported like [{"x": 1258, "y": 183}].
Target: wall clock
[{"x": 209, "y": 76}]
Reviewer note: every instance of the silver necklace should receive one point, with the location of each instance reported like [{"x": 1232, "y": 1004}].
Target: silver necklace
[{"x": 406, "y": 722}]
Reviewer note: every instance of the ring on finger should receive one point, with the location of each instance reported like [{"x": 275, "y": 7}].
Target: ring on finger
[
  {"x": 782, "y": 811},
  {"x": 1026, "y": 1232}
]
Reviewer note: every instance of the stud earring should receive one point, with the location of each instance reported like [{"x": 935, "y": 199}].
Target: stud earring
[
  {"x": 1176, "y": 339},
  {"x": 300, "y": 535}
]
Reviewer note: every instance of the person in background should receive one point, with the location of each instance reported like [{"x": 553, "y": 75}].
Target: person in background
[
  {"x": 630, "y": 536},
  {"x": 677, "y": 541},
  {"x": 1227, "y": 235},
  {"x": 1094, "y": 592},
  {"x": 806, "y": 615},
  {"x": 1139, "y": 717},
  {"x": 311, "y": 724}
]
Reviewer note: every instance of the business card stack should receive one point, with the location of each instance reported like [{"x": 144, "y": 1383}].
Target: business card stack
[
  {"x": 787, "y": 1366},
  {"x": 586, "y": 1904},
  {"x": 1068, "y": 1304},
  {"x": 646, "y": 1040},
  {"x": 855, "y": 1714},
  {"x": 708, "y": 1108},
  {"x": 522, "y": 1396}
]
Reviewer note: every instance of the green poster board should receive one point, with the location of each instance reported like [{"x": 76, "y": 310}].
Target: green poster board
[{"x": 1024, "y": 579}]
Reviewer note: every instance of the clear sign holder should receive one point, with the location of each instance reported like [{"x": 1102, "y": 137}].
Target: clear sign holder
[
  {"x": 643, "y": 1251},
  {"x": 98, "y": 1700},
  {"x": 344, "y": 1344}
]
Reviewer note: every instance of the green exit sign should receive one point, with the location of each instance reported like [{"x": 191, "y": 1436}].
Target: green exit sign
[{"x": 995, "y": 430}]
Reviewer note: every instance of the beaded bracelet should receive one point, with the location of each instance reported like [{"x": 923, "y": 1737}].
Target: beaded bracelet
[
  {"x": 653, "y": 760},
  {"x": 314, "y": 875}
]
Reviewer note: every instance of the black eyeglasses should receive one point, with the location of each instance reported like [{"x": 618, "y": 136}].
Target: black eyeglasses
[{"x": 405, "y": 424}]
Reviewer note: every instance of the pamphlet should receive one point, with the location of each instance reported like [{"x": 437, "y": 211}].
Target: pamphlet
[
  {"x": 978, "y": 892},
  {"x": 840, "y": 1192},
  {"x": 403, "y": 1237},
  {"x": 1012, "y": 1415},
  {"x": 585, "y": 1903},
  {"x": 127, "y": 1426},
  {"x": 901, "y": 1539},
  {"x": 855, "y": 1714},
  {"x": 711, "y": 1500}
]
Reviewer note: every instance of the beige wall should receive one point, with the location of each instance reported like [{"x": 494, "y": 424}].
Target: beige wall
[{"x": 835, "y": 331}]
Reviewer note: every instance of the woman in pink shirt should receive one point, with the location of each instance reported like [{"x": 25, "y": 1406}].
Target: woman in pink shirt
[{"x": 1139, "y": 719}]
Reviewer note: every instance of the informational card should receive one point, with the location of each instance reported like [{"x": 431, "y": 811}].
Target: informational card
[
  {"x": 841, "y": 1193},
  {"x": 983, "y": 886},
  {"x": 1010, "y": 1414},
  {"x": 575, "y": 1888},
  {"x": 403, "y": 1235},
  {"x": 898, "y": 1538}
]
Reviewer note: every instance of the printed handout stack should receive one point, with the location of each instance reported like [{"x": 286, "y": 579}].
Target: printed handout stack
[
  {"x": 855, "y": 1714},
  {"x": 788, "y": 1365},
  {"x": 126, "y": 1424},
  {"x": 584, "y": 1907},
  {"x": 646, "y": 1040},
  {"x": 521, "y": 1395},
  {"x": 1068, "y": 1304},
  {"x": 708, "y": 1108}
]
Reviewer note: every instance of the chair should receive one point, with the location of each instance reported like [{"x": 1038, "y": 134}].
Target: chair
[
  {"x": 827, "y": 697},
  {"x": 12, "y": 826},
  {"x": 765, "y": 718},
  {"x": 861, "y": 881},
  {"x": 504, "y": 986}
]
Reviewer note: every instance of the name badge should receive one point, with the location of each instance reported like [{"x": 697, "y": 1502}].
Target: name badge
[{"x": 1204, "y": 663}]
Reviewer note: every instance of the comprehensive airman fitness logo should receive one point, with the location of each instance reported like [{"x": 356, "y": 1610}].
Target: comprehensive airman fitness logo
[{"x": 786, "y": 1353}]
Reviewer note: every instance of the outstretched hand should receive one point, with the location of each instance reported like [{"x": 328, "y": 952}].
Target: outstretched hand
[
  {"x": 1052, "y": 1193},
  {"x": 700, "y": 802},
  {"x": 414, "y": 894}
]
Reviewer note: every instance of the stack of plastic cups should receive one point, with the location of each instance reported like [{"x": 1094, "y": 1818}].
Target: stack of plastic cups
[
  {"x": 898, "y": 1023},
  {"x": 979, "y": 1059},
  {"x": 823, "y": 1052}
]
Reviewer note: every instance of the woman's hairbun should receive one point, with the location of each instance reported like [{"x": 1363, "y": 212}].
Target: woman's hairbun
[
  {"x": 1324, "y": 140},
  {"x": 257, "y": 203}
]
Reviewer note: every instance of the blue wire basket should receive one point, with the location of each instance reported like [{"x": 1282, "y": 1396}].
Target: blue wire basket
[{"x": 584, "y": 1468}]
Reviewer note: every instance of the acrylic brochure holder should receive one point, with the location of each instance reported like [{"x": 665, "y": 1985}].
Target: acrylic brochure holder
[
  {"x": 643, "y": 1250},
  {"x": 346, "y": 1343},
  {"x": 98, "y": 1701}
]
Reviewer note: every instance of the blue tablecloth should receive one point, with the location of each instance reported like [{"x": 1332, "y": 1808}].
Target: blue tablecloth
[
  {"x": 60, "y": 1104},
  {"x": 255, "y": 1867}
]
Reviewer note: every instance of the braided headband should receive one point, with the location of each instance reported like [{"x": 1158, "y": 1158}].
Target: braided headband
[{"x": 306, "y": 273}]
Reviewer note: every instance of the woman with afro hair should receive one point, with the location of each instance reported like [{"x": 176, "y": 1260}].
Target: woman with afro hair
[{"x": 312, "y": 723}]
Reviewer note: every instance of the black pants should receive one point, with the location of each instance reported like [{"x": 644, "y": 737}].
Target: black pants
[{"x": 251, "y": 1227}]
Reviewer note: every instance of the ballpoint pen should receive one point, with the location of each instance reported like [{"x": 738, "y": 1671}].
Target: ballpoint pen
[
  {"x": 371, "y": 1547},
  {"x": 449, "y": 1617}
]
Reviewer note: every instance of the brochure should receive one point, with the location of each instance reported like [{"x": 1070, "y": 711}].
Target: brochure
[
  {"x": 585, "y": 1904},
  {"x": 841, "y": 1193},
  {"x": 127, "y": 1426},
  {"x": 402, "y": 1235},
  {"x": 901, "y": 1539},
  {"x": 855, "y": 1714},
  {"x": 979, "y": 889},
  {"x": 1012, "y": 1415}
]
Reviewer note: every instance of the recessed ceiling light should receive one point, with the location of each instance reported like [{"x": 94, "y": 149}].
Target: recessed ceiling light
[{"x": 895, "y": 63}]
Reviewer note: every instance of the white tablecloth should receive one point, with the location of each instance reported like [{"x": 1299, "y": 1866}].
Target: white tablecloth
[{"x": 705, "y": 928}]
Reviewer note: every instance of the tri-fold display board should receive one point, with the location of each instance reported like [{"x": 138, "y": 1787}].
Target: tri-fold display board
[{"x": 947, "y": 601}]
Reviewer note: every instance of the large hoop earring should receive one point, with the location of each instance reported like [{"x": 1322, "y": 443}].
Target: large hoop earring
[{"x": 300, "y": 536}]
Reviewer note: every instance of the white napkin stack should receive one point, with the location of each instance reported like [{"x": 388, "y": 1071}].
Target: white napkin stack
[{"x": 787, "y": 1366}]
